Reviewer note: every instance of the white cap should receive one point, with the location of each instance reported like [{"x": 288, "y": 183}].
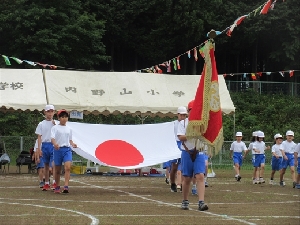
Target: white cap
[
  {"x": 182, "y": 110},
  {"x": 260, "y": 134},
  {"x": 254, "y": 134},
  {"x": 49, "y": 107},
  {"x": 289, "y": 133},
  {"x": 238, "y": 134},
  {"x": 277, "y": 136}
]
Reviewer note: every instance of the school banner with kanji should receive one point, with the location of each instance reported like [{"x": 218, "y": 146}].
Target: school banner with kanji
[{"x": 205, "y": 119}]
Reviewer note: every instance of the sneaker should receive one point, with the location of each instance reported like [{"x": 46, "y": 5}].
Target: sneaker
[
  {"x": 294, "y": 184},
  {"x": 238, "y": 178},
  {"x": 53, "y": 186},
  {"x": 194, "y": 191},
  {"x": 262, "y": 180},
  {"x": 65, "y": 191},
  {"x": 185, "y": 204},
  {"x": 41, "y": 185},
  {"x": 206, "y": 184},
  {"x": 271, "y": 182},
  {"x": 46, "y": 187},
  {"x": 173, "y": 188},
  {"x": 167, "y": 181},
  {"x": 57, "y": 190},
  {"x": 203, "y": 207},
  {"x": 254, "y": 181},
  {"x": 178, "y": 186},
  {"x": 282, "y": 183}
]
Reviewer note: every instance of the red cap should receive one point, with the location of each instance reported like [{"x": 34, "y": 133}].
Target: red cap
[
  {"x": 60, "y": 111},
  {"x": 190, "y": 105}
]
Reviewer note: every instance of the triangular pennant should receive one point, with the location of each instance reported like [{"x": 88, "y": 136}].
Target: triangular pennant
[
  {"x": 245, "y": 75},
  {"x": 281, "y": 73},
  {"x": 6, "y": 59},
  {"x": 291, "y": 73},
  {"x": 268, "y": 73},
  {"x": 189, "y": 53},
  {"x": 178, "y": 64},
  {"x": 19, "y": 61},
  {"x": 30, "y": 62},
  {"x": 224, "y": 75},
  {"x": 235, "y": 24},
  {"x": 253, "y": 76},
  {"x": 195, "y": 54},
  {"x": 273, "y": 5},
  {"x": 158, "y": 70},
  {"x": 259, "y": 74},
  {"x": 266, "y": 7},
  {"x": 169, "y": 66},
  {"x": 174, "y": 64}
]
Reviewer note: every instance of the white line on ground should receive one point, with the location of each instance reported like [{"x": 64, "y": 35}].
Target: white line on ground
[
  {"x": 95, "y": 221},
  {"x": 257, "y": 192},
  {"x": 164, "y": 203},
  {"x": 146, "y": 202}
]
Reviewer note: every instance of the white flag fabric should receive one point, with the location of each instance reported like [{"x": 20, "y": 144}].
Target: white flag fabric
[{"x": 125, "y": 146}]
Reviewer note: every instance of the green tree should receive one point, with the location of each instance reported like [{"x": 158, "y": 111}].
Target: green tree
[{"x": 54, "y": 32}]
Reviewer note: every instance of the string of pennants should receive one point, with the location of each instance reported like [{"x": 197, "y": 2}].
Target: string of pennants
[
  {"x": 254, "y": 76},
  {"x": 175, "y": 62}
]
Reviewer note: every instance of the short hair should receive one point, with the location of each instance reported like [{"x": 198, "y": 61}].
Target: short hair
[{"x": 62, "y": 113}]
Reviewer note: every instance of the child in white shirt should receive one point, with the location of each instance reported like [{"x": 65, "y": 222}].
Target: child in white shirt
[{"x": 61, "y": 138}]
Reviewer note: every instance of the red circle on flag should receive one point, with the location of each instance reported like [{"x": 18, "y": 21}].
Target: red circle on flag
[{"x": 118, "y": 153}]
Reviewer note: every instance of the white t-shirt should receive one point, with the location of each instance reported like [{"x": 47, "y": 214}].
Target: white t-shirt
[
  {"x": 176, "y": 122},
  {"x": 289, "y": 147},
  {"x": 44, "y": 129},
  {"x": 261, "y": 146},
  {"x": 250, "y": 148},
  {"x": 190, "y": 144},
  {"x": 62, "y": 135},
  {"x": 276, "y": 149},
  {"x": 238, "y": 146},
  {"x": 297, "y": 149}
]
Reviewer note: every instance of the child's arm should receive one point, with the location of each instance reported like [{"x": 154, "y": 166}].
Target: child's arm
[
  {"x": 296, "y": 158},
  {"x": 39, "y": 150},
  {"x": 267, "y": 148},
  {"x": 56, "y": 146},
  {"x": 274, "y": 154},
  {"x": 73, "y": 144},
  {"x": 231, "y": 152}
]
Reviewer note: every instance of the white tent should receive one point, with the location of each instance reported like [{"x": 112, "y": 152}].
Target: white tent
[
  {"x": 101, "y": 92},
  {"x": 126, "y": 92},
  {"x": 22, "y": 89}
]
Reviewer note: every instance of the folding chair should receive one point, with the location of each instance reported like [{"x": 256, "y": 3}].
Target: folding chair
[{"x": 24, "y": 159}]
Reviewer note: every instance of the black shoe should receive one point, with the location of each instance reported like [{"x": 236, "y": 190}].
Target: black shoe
[
  {"x": 173, "y": 188},
  {"x": 203, "y": 207},
  {"x": 167, "y": 181},
  {"x": 238, "y": 178}
]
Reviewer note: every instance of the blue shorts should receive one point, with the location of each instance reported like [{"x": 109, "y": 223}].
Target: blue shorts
[
  {"x": 259, "y": 159},
  {"x": 47, "y": 149},
  {"x": 63, "y": 154},
  {"x": 179, "y": 167},
  {"x": 276, "y": 163},
  {"x": 298, "y": 168},
  {"x": 40, "y": 164},
  {"x": 166, "y": 165},
  {"x": 289, "y": 162},
  {"x": 238, "y": 158},
  {"x": 189, "y": 168}
]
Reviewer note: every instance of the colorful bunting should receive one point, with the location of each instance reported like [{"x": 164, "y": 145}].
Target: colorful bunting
[
  {"x": 259, "y": 74},
  {"x": 281, "y": 73},
  {"x": 291, "y": 73},
  {"x": 169, "y": 66},
  {"x": 235, "y": 24},
  {"x": 253, "y": 76}
]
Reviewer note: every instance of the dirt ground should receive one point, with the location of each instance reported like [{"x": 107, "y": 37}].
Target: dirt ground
[{"x": 146, "y": 200}]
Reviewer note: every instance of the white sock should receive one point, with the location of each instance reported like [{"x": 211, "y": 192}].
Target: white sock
[{"x": 194, "y": 186}]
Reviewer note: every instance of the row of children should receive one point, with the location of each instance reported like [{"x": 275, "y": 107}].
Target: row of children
[
  {"x": 53, "y": 147},
  {"x": 284, "y": 154}
]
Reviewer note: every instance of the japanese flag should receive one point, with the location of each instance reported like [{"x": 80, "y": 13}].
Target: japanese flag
[{"x": 125, "y": 146}]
